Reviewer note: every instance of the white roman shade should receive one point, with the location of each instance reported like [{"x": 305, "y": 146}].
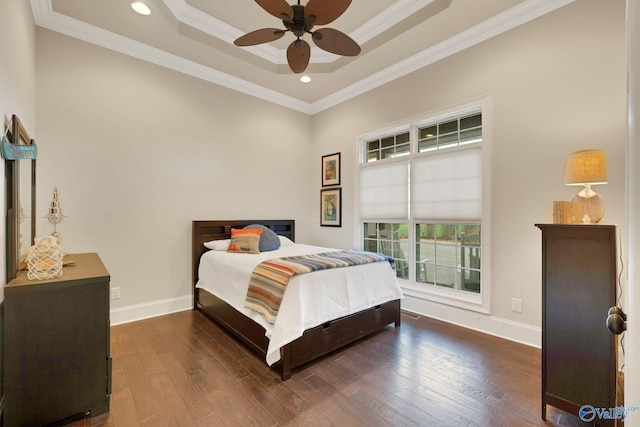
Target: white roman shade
[
  {"x": 384, "y": 192},
  {"x": 448, "y": 186}
]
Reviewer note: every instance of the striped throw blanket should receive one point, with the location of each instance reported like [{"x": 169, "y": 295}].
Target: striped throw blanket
[{"x": 270, "y": 278}]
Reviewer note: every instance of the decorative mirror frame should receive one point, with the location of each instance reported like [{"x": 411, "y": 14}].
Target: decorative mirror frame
[{"x": 17, "y": 135}]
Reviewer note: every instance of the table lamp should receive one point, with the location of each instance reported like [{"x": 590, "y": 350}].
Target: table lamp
[{"x": 587, "y": 168}]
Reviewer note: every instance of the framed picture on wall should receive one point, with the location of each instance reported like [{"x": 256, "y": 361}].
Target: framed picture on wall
[
  {"x": 331, "y": 170},
  {"x": 331, "y": 207}
]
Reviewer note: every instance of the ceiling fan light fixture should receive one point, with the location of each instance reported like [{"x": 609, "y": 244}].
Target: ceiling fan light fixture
[
  {"x": 141, "y": 8},
  {"x": 305, "y": 79},
  {"x": 300, "y": 20}
]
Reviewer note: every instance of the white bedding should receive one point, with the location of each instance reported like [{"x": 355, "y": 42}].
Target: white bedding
[{"x": 310, "y": 300}]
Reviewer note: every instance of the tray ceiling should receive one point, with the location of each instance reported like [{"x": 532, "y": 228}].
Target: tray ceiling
[{"x": 196, "y": 37}]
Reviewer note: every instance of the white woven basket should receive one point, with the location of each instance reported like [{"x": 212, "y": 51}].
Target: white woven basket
[{"x": 44, "y": 260}]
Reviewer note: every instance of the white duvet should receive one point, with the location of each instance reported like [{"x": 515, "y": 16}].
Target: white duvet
[{"x": 310, "y": 300}]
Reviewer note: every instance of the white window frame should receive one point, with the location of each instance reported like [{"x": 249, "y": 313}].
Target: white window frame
[{"x": 467, "y": 300}]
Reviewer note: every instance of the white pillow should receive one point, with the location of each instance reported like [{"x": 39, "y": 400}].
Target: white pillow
[
  {"x": 284, "y": 241},
  {"x": 223, "y": 245},
  {"x": 218, "y": 245}
]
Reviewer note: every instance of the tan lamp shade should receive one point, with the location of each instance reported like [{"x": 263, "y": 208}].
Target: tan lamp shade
[{"x": 586, "y": 167}]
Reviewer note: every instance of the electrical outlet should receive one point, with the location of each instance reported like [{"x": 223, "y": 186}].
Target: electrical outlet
[
  {"x": 115, "y": 293},
  {"x": 516, "y": 305}
]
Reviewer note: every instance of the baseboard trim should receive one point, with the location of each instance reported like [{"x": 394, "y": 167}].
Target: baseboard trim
[
  {"x": 503, "y": 328},
  {"x": 131, "y": 313},
  {"x": 513, "y": 331}
]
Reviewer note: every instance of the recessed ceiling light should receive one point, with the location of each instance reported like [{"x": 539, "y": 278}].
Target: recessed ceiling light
[
  {"x": 141, "y": 8},
  {"x": 305, "y": 79}
]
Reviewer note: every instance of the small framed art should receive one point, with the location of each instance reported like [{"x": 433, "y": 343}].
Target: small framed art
[
  {"x": 331, "y": 207},
  {"x": 331, "y": 170}
]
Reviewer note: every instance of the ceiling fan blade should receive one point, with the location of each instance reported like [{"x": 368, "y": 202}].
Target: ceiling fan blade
[
  {"x": 325, "y": 11},
  {"x": 278, "y": 8},
  {"x": 264, "y": 35},
  {"x": 298, "y": 54},
  {"x": 335, "y": 41}
]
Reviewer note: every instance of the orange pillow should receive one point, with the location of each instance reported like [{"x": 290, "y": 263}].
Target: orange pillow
[{"x": 245, "y": 240}]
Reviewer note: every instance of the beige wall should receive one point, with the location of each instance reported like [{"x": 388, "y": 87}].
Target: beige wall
[
  {"x": 17, "y": 83},
  {"x": 17, "y": 96},
  {"x": 138, "y": 152},
  {"x": 556, "y": 85}
]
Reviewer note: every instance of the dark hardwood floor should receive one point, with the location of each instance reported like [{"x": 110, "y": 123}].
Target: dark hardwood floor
[{"x": 184, "y": 370}]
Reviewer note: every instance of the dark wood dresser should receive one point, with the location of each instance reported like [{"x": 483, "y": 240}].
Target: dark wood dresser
[
  {"x": 56, "y": 333},
  {"x": 578, "y": 286}
]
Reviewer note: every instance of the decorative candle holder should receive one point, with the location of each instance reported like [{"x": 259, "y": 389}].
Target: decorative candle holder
[{"x": 55, "y": 214}]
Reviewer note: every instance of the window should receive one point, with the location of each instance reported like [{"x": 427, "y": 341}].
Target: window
[
  {"x": 389, "y": 239},
  {"x": 387, "y": 147},
  {"x": 451, "y": 132},
  {"x": 448, "y": 255},
  {"x": 421, "y": 202}
]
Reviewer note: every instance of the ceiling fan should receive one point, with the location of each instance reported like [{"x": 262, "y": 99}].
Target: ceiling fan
[{"x": 299, "y": 20}]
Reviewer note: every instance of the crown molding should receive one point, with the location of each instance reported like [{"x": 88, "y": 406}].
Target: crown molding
[
  {"x": 394, "y": 14},
  {"x": 41, "y": 10},
  {"x": 514, "y": 17},
  {"x": 208, "y": 24},
  {"x": 46, "y": 17}
]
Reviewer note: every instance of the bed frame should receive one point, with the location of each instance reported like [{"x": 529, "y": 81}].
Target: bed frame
[{"x": 315, "y": 342}]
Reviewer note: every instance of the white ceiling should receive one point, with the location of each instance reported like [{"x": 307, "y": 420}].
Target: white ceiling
[{"x": 196, "y": 37}]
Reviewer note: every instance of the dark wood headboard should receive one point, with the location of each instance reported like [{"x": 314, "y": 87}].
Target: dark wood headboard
[{"x": 205, "y": 231}]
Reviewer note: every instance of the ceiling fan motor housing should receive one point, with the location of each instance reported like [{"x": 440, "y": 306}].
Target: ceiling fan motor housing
[{"x": 299, "y": 25}]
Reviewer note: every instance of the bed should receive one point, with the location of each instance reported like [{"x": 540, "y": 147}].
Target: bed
[{"x": 315, "y": 341}]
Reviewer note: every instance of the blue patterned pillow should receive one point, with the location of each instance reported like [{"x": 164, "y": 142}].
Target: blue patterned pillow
[{"x": 269, "y": 240}]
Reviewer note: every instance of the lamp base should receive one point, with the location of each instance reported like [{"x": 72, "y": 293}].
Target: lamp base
[{"x": 592, "y": 206}]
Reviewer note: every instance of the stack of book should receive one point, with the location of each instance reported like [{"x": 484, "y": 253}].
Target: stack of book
[{"x": 567, "y": 212}]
